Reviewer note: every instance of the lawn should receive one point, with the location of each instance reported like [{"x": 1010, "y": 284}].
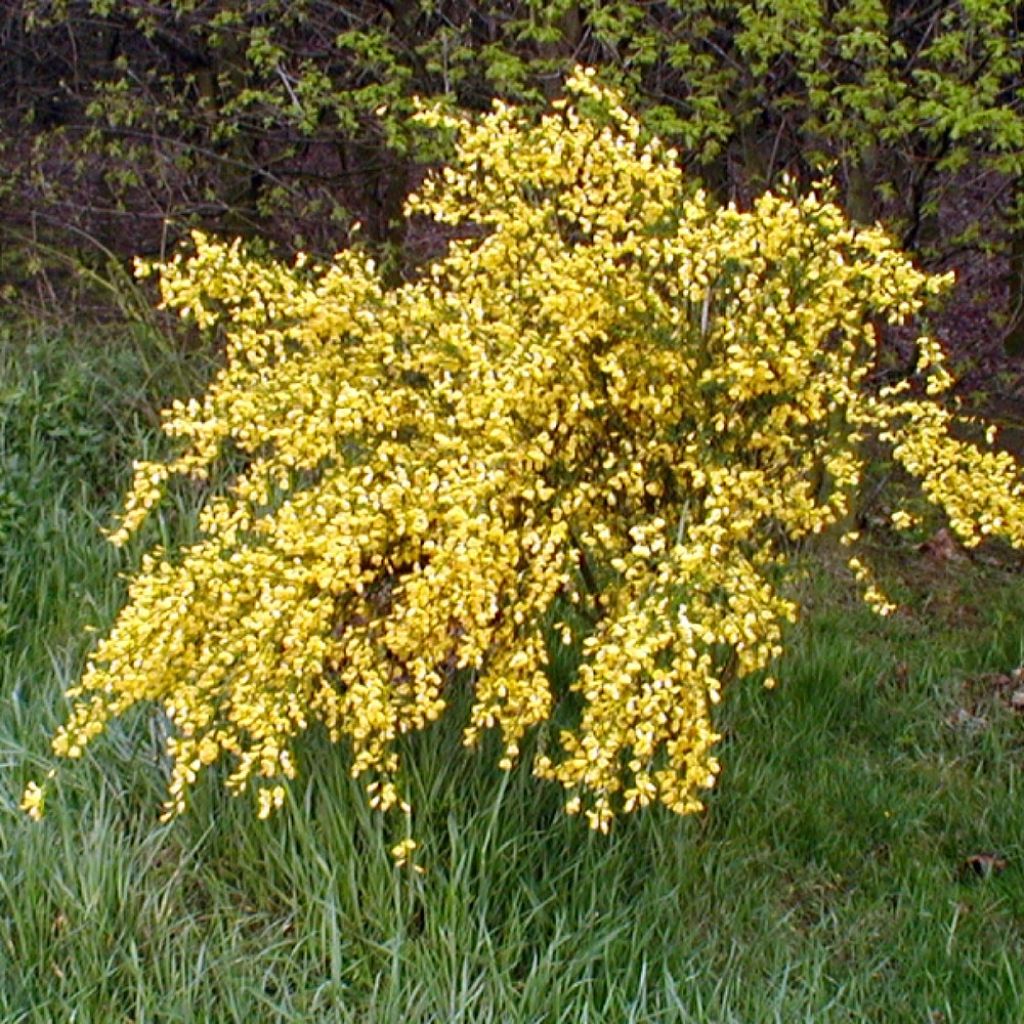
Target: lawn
[{"x": 861, "y": 859}]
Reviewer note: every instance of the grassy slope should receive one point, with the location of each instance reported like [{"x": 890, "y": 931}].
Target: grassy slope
[{"x": 823, "y": 884}]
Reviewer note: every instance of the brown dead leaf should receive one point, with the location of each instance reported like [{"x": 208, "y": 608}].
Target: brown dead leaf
[
  {"x": 963, "y": 721},
  {"x": 983, "y": 865},
  {"x": 989, "y": 683},
  {"x": 942, "y": 546}
]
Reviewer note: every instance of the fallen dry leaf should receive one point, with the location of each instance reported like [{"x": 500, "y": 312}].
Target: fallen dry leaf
[
  {"x": 983, "y": 865},
  {"x": 964, "y": 721},
  {"x": 987, "y": 691},
  {"x": 942, "y": 546}
]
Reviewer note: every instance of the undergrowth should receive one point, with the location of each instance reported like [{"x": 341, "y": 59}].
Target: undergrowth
[{"x": 828, "y": 880}]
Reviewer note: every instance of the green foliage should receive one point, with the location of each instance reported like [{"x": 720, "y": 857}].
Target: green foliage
[{"x": 292, "y": 118}]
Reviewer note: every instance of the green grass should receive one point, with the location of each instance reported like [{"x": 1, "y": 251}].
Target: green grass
[{"x": 824, "y": 883}]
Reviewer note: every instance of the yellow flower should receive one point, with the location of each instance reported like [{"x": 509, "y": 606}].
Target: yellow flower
[
  {"x": 401, "y": 851},
  {"x": 33, "y": 801}
]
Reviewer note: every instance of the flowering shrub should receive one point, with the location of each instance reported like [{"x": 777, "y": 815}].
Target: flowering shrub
[{"x": 598, "y": 420}]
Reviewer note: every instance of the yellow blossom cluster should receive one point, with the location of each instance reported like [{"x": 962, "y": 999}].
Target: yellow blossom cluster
[{"x": 598, "y": 420}]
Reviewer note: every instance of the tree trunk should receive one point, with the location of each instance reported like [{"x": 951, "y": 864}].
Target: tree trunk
[
  {"x": 1014, "y": 340},
  {"x": 563, "y": 51},
  {"x": 860, "y": 187}
]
